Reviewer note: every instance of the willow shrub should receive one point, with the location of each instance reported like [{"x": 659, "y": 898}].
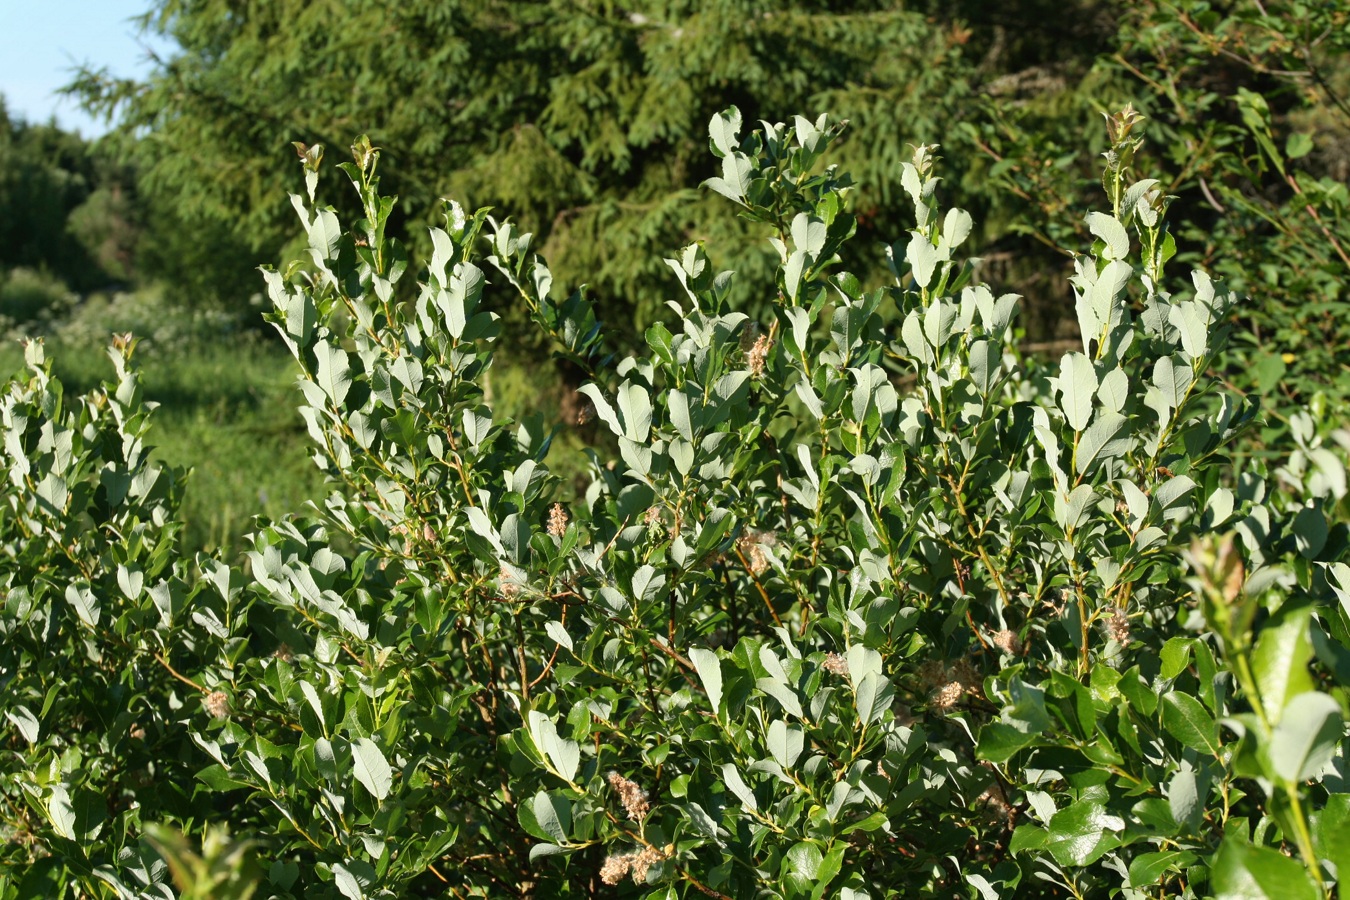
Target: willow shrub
[{"x": 865, "y": 606}]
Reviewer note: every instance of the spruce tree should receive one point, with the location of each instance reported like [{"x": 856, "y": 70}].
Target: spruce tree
[{"x": 583, "y": 121}]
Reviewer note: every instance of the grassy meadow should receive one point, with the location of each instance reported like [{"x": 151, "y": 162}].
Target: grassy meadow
[{"x": 227, "y": 398}]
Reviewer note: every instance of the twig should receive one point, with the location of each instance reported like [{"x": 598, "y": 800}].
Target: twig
[
  {"x": 176, "y": 674},
  {"x": 1204, "y": 189},
  {"x": 1293, "y": 183},
  {"x": 763, "y": 593},
  {"x": 673, "y": 654}
]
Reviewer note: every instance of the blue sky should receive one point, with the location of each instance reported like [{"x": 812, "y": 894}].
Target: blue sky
[{"x": 41, "y": 40}]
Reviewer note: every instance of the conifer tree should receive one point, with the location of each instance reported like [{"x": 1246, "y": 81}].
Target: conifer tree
[{"x": 583, "y": 121}]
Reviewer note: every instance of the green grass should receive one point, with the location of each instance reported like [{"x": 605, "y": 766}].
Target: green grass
[
  {"x": 228, "y": 411},
  {"x": 229, "y": 405}
]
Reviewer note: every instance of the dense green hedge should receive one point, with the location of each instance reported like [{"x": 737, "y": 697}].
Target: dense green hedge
[{"x": 865, "y": 603}]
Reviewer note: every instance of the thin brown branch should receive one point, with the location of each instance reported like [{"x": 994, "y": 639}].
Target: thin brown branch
[
  {"x": 176, "y": 674},
  {"x": 673, "y": 654},
  {"x": 1204, "y": 189},
  {"x": 762, "y": 593},
  {"x": 1312, "y": 211}
]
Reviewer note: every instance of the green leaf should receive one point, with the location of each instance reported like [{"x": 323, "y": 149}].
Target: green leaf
[
  {"x": 1175, "y": 656},
  {"x": 79, "y": 817},
  {"x": 709, "y": 669},
  {"x": 603, "y": 410},
  {"x": 554, "y": 815},
  {"x": 1310, "y": 532},
  {"x": 85, "y": 603},
  {"x": 1082, "y": 833},
  {"x": 325, "y": 233},
  {"x": 1102, "y": 440},
  {"x": 735, "y": 180},
  {"x": 25, "y": 721},
  {"x": 477, "y": 424},
  {"x": 999, "y": 741},
  {"x": 724, "y": 131},
  {"x": 1077, "y": 387},
  {"x": 808, "y": 234},
  {"x": 810, "y": 399},
  {"x": 681, "y": 454},
  {"x": 1280, "y": 659},
  {"x": 805, "y": 859},
  {"x": 131, "y": 581},
  {"x": 1183, "y": 797},
  {"x": 1306, "y": 738},
  {"x": 956, "y": 228},
  {"x": 781, "y": 692},
  {"x": 1133, "y": 687},
  {"x": 1071, "y": 511},
  {"x": 1192, "y": 327},
  {"x": 785, "y": 742},
  {"x": 829, "y": 867},
  {"x": 371, "y": 769},
  {"x": 984, "y": 361},
  {"x": 311, "y": 695},
  {"x": 558, "y": 632},
  {"x": 922, "y": 257},
  {"x": 1172, "y": 377},
  {"x": 298, "y": 311},
  {"x": 732, "y": 776},
  {"x": 333, "y": 375},
  {"x": 218, "y": 779},
  {"x": 1331, "y": 832},
  {"x": 1240, "y": 871},
  {"x": 1028, "y": 837},
  {"x": 539, "y": 851},
  {"x": 60, "y": 813},
  {"x": 635, "y": 406},
  {"x": 1338, "y": 577},
  {"x": 678, "y": 409},
  {"x": 53, "y": 493},
  {"x": 1298, "y": 145},
  {"x": 1134, "y": 194},
  {"x": 565, "y": 755},
  {"x": 939, "y": 321},
  {"x": 325, "y": 759},
  {"x": 1186, "y": 720},
  {"x": 983, "y": 885},
  {"x": 911, "y": 331},
  {"x": 1114, "y": 390},
  {"x": 1149, "y": 868},
  {"x": 1112, "y": 233},
  {"x": 347, "y": 883},
  {"x": 873, "y": 697}
]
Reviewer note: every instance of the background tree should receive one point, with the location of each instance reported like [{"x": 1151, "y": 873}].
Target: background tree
[
  {"x": 45, "y": 174},
  {"x": 1247, "y": 105},
  {"x": 584, "y": 121}
]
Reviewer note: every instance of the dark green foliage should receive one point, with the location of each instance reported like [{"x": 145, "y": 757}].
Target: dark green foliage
[
  {"x": 1247, "y": 106},
  {"x": 586, "y": 121},
  {"x": 87, "y": 565},
  {"x": 45, "y": 175}
]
